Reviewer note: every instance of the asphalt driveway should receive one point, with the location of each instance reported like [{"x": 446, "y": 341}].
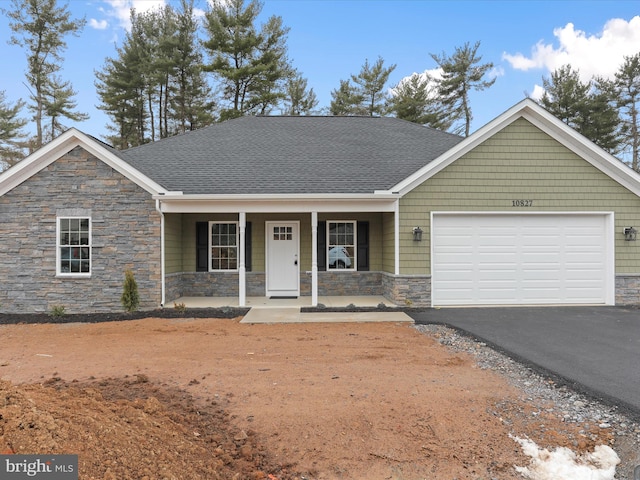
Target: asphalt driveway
[{"x": 596, "y": 350}]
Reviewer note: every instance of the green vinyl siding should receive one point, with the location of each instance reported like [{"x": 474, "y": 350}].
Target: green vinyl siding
[
  {"x": 180, "y": 237},
  {"x": 173, "y": 243},
  {"x": 388, "y": 240},
  {"x": 518, "y": 163}
]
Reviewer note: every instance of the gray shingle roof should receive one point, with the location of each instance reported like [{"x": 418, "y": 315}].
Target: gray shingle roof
[{"x": 285, "y": 155}]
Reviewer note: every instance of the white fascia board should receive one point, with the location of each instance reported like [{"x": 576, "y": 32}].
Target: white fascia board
[
  {"x": 62, "y": 145},
  {"x": 275, "y": 203},
  {"x": 538, "y": 116}
]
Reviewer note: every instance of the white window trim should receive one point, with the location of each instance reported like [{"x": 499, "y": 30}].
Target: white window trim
[
  {"x": 209, "y": 256},
  {"x": 354, "y": 266},
  {"x": 59, "y": 272}
]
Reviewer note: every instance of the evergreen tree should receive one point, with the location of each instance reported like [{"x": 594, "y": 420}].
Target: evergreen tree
[
  {"x": 347, "y": 100},
  {"x": 461, "y": 73},
  {"x": 588, "y": 107},
  {"x": 11, "y": 135},
  {"x": 191, "y": 102},
  {"x": 40, "y": 26},
  {"x": 121, "y": 88},
  {"x": 415, "y": 99},
  {"x": 299, "y": 100},
  {"x": 59, "y": 103},
  {"x": 371, "y": 82},
  {"x": 250, "y": 64},
  {"x": 565, "y": 96},
  {"x": 627, "y": 87},
  {"x": 156, "y": 86}
]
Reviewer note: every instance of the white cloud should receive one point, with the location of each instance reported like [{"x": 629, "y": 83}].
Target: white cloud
[
  {"x": 538, "y": 91},
  {"x": 121, "y": 9},
  {"x": 591, "y": 54},
  {"x": 98, "y": 24}
]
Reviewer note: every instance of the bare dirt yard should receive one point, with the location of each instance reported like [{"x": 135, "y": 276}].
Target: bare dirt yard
[{"x": 216, "y": 399}]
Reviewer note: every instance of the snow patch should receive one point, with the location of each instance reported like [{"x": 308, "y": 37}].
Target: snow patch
[{"x": 564, "y": 464}]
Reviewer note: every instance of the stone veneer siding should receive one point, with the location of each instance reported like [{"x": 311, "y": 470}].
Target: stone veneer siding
[
  {"x": 225, "y": 284},
  {"x": 627, "y": 289},
  {"x": 403, "y": 290},
  {"x": 407, "y": 290},
  {"x": 125, "y": 230}
]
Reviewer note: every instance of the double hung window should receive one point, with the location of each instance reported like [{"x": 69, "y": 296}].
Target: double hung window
[
  {"x": 341, "y": 245},
  {"x": 224, "y": 246},
  {"x": 74, "y": 246}
]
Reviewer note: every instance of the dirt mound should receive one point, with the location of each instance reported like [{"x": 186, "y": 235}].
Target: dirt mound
[{"x": 130, "y": 429}]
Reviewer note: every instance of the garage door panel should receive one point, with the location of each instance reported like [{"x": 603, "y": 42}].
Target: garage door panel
[{"x": 519, "y": 259}]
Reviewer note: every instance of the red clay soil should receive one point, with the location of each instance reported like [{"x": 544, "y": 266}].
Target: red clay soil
[{"x": 215, "y": 399}]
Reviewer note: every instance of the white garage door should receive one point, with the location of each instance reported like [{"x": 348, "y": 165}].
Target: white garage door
[{"x": 495, "y": 259}]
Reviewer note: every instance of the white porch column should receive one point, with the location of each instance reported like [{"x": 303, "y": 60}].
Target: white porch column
[
  {"x": 396, "y": 237},
  {"x": 242, "y": 280},
  {"x": 314, "y": 259}
]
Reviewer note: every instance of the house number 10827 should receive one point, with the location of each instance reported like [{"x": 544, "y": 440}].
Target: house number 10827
[{"x": 522, "y": 203}]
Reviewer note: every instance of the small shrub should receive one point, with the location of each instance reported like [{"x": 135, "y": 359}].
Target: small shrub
[
  {"x": 408, "y": 302},
  {"x": 382, "y": 306},
  {"x": 180, "y": 307},
  {"x": 57, "y": 311},
  {"x": 130, "y": 298}
]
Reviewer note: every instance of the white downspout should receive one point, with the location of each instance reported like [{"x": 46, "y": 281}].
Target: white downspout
[
  {"x": 396, "y": 237},
  {"x": 162, "y": 267},
  {"x": 242, "y": 279},
  {"x": 314, "y": 259}
]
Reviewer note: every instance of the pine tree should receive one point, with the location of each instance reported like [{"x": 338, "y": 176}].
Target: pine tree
[
  {"x": 191, "y": 102},
  {"x": 415, "y": 99},
  {"x": 11, "y": 135},
  {"x": 40, "y": 26},
  {"x": 59, "y": 103},
  {"x": 371, "y": 82},
  {"x": 461, "y": 73},
  {"x": 250, "y": 64},
  {"x": 588, "y": 107},
  {"x": 347, "y": 100},
  {"x": 627, "y": 87},
  {"x": 299, "y": 100}
]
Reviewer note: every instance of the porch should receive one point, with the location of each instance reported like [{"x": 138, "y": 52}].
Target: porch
[
  {"x": 288, "y": 310},
  {"x": 267, "y": 302}
]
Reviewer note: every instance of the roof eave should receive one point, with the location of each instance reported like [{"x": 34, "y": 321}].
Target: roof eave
[{"x": 176, "y": 202}]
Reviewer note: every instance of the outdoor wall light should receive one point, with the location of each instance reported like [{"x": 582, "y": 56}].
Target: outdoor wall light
[
  {"x": 630, "y": 234},
  {"x": 417, "y": 234}
]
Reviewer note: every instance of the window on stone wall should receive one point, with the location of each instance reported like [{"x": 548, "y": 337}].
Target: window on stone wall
[
  {"x": 224, "y": 246},
  {"x": 341, "y": 245},
  {"x": 74, "y": 246}
]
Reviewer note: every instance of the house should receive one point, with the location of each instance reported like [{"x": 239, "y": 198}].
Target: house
[{"x": 523, "y": 212}]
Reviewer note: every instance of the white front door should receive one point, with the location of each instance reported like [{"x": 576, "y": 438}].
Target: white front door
[{"x": 283, "y": 266}]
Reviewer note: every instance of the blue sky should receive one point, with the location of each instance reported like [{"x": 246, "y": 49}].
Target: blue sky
[{"x": 330, "y": 39}]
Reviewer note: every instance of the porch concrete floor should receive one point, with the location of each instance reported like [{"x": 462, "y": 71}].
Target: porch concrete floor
[
  {"x": 266, "y": 302},
  {"x": 287, "y": 310}
]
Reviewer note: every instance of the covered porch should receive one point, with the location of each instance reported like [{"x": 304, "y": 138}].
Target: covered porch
[{"x": 302, "y": 251}]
